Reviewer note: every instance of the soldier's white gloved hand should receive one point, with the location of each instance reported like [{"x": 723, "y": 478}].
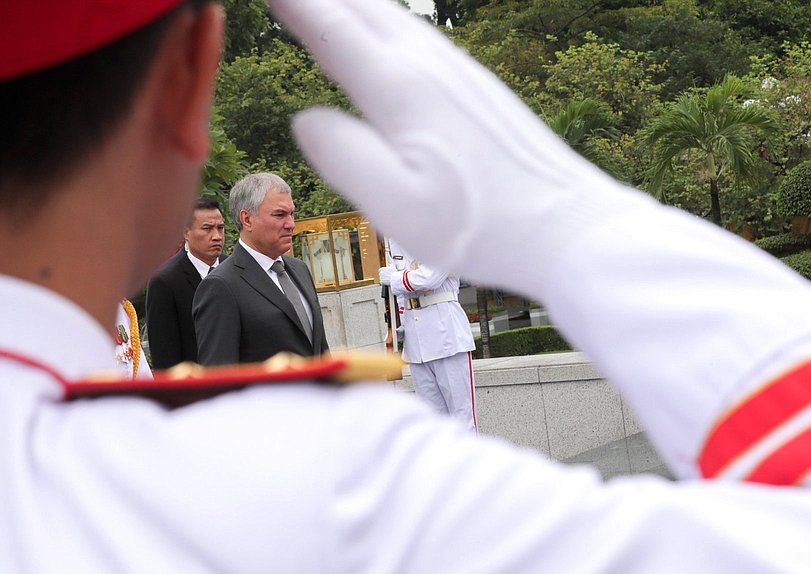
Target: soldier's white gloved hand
[
  {"x": 445, "y": 158},
  {"x": 385, "y": 275}
]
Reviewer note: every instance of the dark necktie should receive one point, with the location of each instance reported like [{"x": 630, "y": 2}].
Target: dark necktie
[
  {"x": 210, "y": 269},
  {"x": 292, "y": 293}
]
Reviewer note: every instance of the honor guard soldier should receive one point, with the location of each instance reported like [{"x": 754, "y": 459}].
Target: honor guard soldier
[
  {"x": 436, "y": 334},
  {"x": 105, "y": 107}
]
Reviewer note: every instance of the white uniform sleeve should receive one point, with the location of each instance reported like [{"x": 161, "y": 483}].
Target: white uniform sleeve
[
  {"x": 406, "y": 281},
  {"x": 705, "y": 335},
  {"x": 410, "y": 282},
  {"x": 437, "y": 499}
]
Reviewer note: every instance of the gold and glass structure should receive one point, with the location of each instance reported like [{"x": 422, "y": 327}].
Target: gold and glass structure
[{"x": 341, "y": 250}]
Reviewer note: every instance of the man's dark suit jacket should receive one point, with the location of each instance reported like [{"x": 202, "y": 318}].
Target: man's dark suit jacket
[
  {"x": 241, "y": 316},
  {"x": 169, "y": 321}
]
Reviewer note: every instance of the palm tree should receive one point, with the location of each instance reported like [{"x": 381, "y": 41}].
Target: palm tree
[
  {"x": 716, "y": 126},
  {"x": 580, "y": 123}
]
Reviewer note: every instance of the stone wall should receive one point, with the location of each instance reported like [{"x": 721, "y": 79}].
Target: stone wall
[
  {"x": 354, "y": 318},
  {"x": 559, "y": 405}
]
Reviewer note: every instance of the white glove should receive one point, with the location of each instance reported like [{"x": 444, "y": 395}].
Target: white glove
[
  {"x": 446, "y": 158},
  {"x": 385, "y": 275}
]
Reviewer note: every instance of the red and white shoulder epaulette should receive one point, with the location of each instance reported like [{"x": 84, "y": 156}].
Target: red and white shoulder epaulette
[{"x": 189, "y": 382}]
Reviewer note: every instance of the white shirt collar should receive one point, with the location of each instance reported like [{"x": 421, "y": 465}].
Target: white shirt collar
[
  {"x": 201, "y": 266},
  {"x": 48, "y": 328},
  {"x": 263, "y": 260}
]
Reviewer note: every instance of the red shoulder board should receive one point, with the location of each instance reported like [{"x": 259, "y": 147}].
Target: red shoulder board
[{"x": 188, "y": 382}]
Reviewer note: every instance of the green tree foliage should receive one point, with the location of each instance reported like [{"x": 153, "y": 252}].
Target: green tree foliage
[
  {"x": 794, "y": 201},
  {"x": 793, "y": 249},
  {"x": 765, "y": 24},
  {"x": 258, "y": 95},
  {"x": 717, "y": 129},
  {"x": 785, "y": 85},
  {"x": 224, "y": 166},
  {"x": 248, "y": 27},
  {"x": 225, "y": 163},
  {"x": 582, "y": 123},
  {"x": 697, "y": 42},
  {"x": 544, "y": 51},
  {"x": 559, "y": 22},
  {"x": 621, "y": 78},
  {"x": 625, "y": 56},
  {"x": 319, "y": 199},
  {"x": 693, "y": 48},
  {"x": 785, "y": 244},
  {"x": 518, "y": 59},
  {"x": 794, "y": 195},
  {"x": 800, "y": 262},
  {"x": 521, "y": 36},
  {"x": 524, "y": 341},
  {"x": 447, "y": 10}
]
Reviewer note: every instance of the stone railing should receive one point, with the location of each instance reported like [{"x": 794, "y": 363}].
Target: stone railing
[{"x": 559, "y": 405}]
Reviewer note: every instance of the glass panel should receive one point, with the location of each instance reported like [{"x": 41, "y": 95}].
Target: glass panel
[
  {"x": 320, "y": 261},
  {"x": 340, "y": 250}
]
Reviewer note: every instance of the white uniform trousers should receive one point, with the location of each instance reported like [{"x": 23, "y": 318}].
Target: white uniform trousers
[{"x": 447, "y": 385}]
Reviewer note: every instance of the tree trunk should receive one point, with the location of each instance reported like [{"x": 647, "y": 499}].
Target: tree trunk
[
  {"x": 484, "y": 324},
  {"x": 800, "y": 225},
  {"x": 715, "y": 209},
  {"x": 446, "y": 10}
]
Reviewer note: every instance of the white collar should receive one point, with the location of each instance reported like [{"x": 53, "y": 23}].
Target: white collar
[
  {"x": 48, "y": 328},
  {"x": 263, "y": 260},
  {"x": 201, "y": 266}
]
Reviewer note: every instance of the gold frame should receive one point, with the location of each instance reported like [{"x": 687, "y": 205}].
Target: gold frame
[{"x": 368, "y": 244}]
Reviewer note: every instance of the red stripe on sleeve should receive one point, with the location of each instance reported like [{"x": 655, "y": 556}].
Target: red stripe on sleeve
[
  {"x": 406, "y": 282},
  {"x": 754, "y": 418},
  {"x": 472, "y": 391},
  {"x": 788, "y": 464},
  {"x": 35, "y": 364}
]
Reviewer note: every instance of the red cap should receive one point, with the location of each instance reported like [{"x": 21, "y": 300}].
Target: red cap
[{"x": 38, "y": 34}]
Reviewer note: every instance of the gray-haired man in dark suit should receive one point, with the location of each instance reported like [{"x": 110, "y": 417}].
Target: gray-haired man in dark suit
[{"x": 259, "y": 301}]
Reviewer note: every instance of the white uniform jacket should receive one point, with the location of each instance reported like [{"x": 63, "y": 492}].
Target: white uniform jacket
[{"x": 436, "y": 331}]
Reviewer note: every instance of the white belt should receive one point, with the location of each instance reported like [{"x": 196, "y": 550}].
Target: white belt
[{"x": 428, "y": 300}]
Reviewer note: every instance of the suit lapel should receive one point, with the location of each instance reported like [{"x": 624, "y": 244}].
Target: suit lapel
[
  {"x": 259, "y": 280},
  {"x": 303, "y": 283},
  {"x": 192, "y": 275}
]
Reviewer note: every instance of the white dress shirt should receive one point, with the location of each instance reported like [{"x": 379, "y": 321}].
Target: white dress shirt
[
  {"x": 265, "y": 263},
  {"x": 202, "y": 267}
]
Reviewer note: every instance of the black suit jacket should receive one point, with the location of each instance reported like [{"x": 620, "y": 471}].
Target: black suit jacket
[
  {"x": 169, "y": 321},
  {"x": 241, "y": 316}
]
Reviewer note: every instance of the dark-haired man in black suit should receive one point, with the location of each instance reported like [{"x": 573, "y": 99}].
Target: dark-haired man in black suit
[{"x": 171, "y": 291}]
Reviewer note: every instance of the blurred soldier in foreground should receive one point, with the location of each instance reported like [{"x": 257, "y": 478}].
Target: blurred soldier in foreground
[{"x": 105, "y": 109}]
